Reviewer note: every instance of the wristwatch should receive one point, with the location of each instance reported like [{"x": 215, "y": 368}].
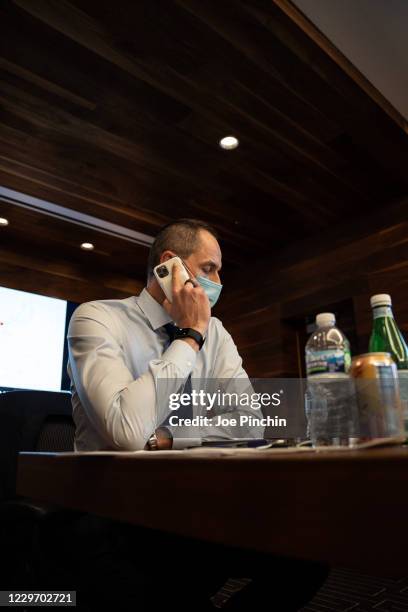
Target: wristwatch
[
  {"x": 152, "y": 442},
  {"x": 164, "y": 442},
  {"x": 188, "y": 332}
]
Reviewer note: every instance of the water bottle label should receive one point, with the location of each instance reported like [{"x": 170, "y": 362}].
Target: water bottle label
[{"x": 328, "y": 361}]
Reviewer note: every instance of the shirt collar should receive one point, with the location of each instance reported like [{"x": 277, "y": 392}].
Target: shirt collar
[{"x": 153, "y": 311}]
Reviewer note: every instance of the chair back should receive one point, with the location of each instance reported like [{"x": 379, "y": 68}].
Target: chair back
[{"x": 32, "y": 421}]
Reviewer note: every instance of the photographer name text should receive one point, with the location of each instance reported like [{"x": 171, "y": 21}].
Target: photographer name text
[{"x": 227, "y": 421}]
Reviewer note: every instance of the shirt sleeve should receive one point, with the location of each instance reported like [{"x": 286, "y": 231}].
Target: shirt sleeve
[{"x": 125, "y": 411}]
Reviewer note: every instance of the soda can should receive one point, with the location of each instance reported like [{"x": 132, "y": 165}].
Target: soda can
[{"x": 375, "y": 378}]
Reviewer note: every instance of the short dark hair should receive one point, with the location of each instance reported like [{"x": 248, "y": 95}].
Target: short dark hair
[{"x": 179, "y": 236}]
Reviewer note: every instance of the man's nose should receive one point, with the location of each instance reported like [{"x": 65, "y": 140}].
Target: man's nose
[{"x": 216, "y": 278}]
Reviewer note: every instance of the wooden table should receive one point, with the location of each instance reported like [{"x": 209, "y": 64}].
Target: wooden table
[{"x": 346, "y": 508}]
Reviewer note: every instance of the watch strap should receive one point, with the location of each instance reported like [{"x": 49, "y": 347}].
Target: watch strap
[{"x": 188, "y": 332}]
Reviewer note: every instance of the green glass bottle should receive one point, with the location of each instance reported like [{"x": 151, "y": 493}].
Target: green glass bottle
[{"x": 386, "y": 337}]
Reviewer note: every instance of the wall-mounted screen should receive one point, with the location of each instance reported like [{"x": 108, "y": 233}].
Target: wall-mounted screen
[{"x": 32, "y": 334}]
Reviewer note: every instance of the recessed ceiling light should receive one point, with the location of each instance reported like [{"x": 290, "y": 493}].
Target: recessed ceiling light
[
  {"x": 87, "y": 246},
  {"x": 229, "y": 142},
  {"x": 3, "y": 221}
]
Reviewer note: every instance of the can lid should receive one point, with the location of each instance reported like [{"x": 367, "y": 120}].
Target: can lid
[
  {"x": 381, "y": 299},
  {"x": 325, "y": 319},
  {"x": 373, "y": 354}
]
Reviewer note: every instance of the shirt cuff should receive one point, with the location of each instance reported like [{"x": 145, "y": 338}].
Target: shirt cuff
[{"x": 182, "y": 355}]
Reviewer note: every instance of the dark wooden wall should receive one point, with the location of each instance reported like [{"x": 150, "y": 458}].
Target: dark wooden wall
[
  {"x": 268, "y": 307},
  {"x": 115, "y": 110},
  {"x": 41, "y": 254},
  {"x": 62, "y": 279}
]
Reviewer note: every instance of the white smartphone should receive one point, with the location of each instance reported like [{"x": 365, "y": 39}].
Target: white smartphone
[{"x": 164, "y": 273}]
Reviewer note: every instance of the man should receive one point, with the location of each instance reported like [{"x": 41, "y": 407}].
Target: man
[
  {"x": 120, "y": 354},
  {"x": 120, "y": 357}
]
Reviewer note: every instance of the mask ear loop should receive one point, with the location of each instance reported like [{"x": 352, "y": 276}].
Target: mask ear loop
[{"x": 192, "y": 279}]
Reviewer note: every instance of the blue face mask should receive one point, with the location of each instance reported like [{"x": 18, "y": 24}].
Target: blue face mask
[{"x": 212, "y": 289}]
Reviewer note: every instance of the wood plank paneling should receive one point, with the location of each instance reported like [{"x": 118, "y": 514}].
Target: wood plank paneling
[
  {"x": 267, "y": 315},
  {"x": 116, "y": 111}
]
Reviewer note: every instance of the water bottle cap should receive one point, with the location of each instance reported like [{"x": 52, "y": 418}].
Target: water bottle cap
[
  {"x": 325, "y": 319},
  {"x": 381, "y": 299}
]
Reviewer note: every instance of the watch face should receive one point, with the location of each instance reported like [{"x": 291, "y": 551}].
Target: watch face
[{"x": 152, "y": 443}]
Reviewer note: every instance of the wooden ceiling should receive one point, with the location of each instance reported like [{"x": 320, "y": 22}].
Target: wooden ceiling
[{"x": 115, "y": 109}]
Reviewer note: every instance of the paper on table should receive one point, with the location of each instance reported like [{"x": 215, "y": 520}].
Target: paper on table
[
  {"x": 200, "y": 451},
  {"x": 374, "y": 443}
]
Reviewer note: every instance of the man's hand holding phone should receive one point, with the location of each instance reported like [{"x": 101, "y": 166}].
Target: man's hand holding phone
[{"x": 190, "y": 306}]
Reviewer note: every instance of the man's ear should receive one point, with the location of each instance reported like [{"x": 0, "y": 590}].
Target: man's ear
[{"x": 166, "y": 255}]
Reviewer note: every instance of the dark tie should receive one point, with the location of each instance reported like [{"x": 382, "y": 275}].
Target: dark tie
[
  {"x": 185, "y": 412},
  {"x": 170, "y": 330}
]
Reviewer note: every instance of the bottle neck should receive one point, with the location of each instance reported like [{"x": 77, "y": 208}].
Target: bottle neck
[{"x": 382, "y": 311}]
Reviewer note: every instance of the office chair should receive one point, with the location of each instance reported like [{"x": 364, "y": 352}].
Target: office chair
[{"x": 29, "y": 421}]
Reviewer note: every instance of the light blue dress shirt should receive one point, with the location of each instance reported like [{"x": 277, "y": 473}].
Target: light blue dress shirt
[{"x": 118, "y": 359}]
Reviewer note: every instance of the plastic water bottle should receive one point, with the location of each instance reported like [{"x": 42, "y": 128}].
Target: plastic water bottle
[{"x": 330, "y": 405}]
